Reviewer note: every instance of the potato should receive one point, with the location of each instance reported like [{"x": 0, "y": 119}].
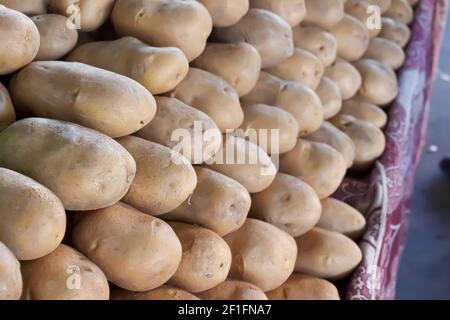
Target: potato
[
  {"x": 352, "y": 38},
  {"x": 304, "y": 287},
  {"x": 413, "y": 2},
  {"x": 89, "y": 14},
  {"x": 7, "y": 112},
  {"x": 57, "y": 39},
  {"x": 361, "y": 11},
  {"x": 212, "y": 95},
  {"x": 226, "y": 13},
  {"x": 36, "y": 226},
  {"x": 386, "y": 51},
  {"x": 293, "y": 11},
  {"x": 237, "y": 63},
  {"x": 234, "y": 290},
  {"x": 266, "y": 31},
  {"x": 75, "y": 92},
  {"x": 244, "y": 162},
  {"x": 326, "y": 254},
  {"x": 85, "y": 169},
  {"x": 289, "y": 204},
  {"x": 173, "y": 115},
  {"x": 10, "y": 277},
  {"x": 302, "y": 66},
  {"x": 20, "y": 40},
  {"x": 395, "y": 31},
  {"x": 400, "y": 10},
  {"x": 324, "y": 13},
  {"x": 136, "y": 251},
  {"x": 185, "y": 24},
  {"x": 330, "y": 95},
  {"x": 28, "y": 7},
  {"x": 317, "y": 164},
  {"x": 164, "y": 178},
  {"x": 165, "y": 293},
  {"x": 262, "y": 254},
  {"x": 218, "y": 203},
  {"x": 316, "y": 40},
  {"x": 369, "y": 140},
  {"x": 64, "y": 274},
  {"x": 363, "y": 110},
  {"x": 206, "y": 258},
  {"x": 382, "y": 4},
  {"x": 339, "y": 217},
  {"x": 297, "y": 99},
  {"x": 379, "y": 82},
  {"x": 262, "y": 119},
  {"x": 346, "y": 77}
]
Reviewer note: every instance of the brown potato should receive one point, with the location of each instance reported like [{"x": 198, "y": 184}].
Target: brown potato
[
  {"x": 326, "y": 254},
  {"x": 7, "y": 112},
  {"x": 165, "y": 293},
  {"x": 212, "y": 95},
  {"x": 386, "y": 51},
  {"x": 270, "y": 34},
  {"x": 185, "y": 24},
  {"x": 330, "y": 95},
  {"x": 289, "y": 204},
  {"x": 293, "y": 11},
  {"x": 10, "y": 277},
  {"x": 234, "y": 290},
  {"x": 218, "y": 203},
  {"x": 64, "y": 274},
  {"x": 164, "y": 178},
  {"x": 226, "y": 13},
  {"x": 136, "y": 251},
  {"x": 395, "y": 31},
  {"x": 363, "y": 110},
  {"x": 413, "y": 2},
  {"x": 85, "y": 169},
  {"x": 400, "y": 10},
  {"x": 28, "y": 7},
  {"x": 75, "y": 92},
  {"x": 346, "y": 77},
  {"x": 237, "y": 63},
  {"x": 324, "y": 13},
  {"x": 382, "y": 4},
  {"x": 36, "y": 226},
  {"x": 262, "y": 254},
  {"x": 360, "y": 9}
]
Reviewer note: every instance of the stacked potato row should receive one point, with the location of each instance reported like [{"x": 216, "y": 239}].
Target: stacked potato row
[{"x": 93, "y": 144}]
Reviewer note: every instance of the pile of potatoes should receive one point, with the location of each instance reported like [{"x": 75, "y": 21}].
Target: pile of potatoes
[{"x": 96, "y": 202}]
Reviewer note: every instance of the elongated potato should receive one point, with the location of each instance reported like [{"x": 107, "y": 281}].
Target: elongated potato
[
  {"x": 185, "y": 24},
  {"x": 165, "y": 293},
  {"x": 172, "y": 116},
  {"x": 324, "y": 13},
  {"x": 75, "y": 92},
  {"x": 386, "y": 51},
  {"x": 244, "y": 162},
  {"x": 237, "y": 63},
  {"x": 262, "y": 120},
  {"x": 7, "y": 112},
  {"x": 205, "y": 261},
  {"x": 28, "y": 7},
  {"x": 326, "y": 254},
  {"x": 360, "y": 9},
  {"x": 346, "y": 76},
  {"x": 64, "y": 274},
  {"x": 339, "y": 217},
  {"x": 218, "y": 203},
  {"x": 289, "y": 203},
  {"x": 382, "y": 4},
  {"x": 136, "y": 251},
  {"x": 293, "y": 11},
  {"x": 212, "y": 95},
  {"x": 363, "y": 110},
  {"x": 297, "y": 99},
  {"x": 85, "y": 169},
  {"x": 10, "y": 276},
  {"x": 262, "y": 254},
  {"x": 164, "y": 178},
  {"x": 19, "y": 40},
  {"x": 234, "y": 290},
  {"x": 270, "y": 34},
  {"x": 157, "y": 69},
  {"x": 400, "y": 10},
  {"x": 330, "y": 95},
  {"x": 36, "y": 226},
  {"x": 226, "y": 13},
  {"x": 304, "y": 287},
  {"x": 395, "y": 31}
]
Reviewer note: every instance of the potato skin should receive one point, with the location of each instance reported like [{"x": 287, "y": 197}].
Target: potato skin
[
  {"x": 289, "y": 204},
  {"x": 7, "y": 112},
  {"x": 400, "y": 10},
  {"x": 324, "y": 13},
  {"x": 234, "y": 290},
  {"x": 383, "y": 4},
  {"x": 386, "y": 51},
  {"x": 164, "y": 178},
  {"x": 346, "y": 76},
  {"x": 237, "y": 63},
  {"x": 157, "y": 69},
  {"x": 395, "y": 31},
  {"x": 48, "y": 278},
  {"x": 359, "y": 10},
  {"x": 165, "y": 23},
  {"x": 218, "y": 203},
  {"x": 20, "y": 40},
  {"x": 326, "y": 254},
  {"x": 28, "y": 7},
  {"x": 205, "y": 261},
  {"x": 165, "y": 293},
  {"x": 293, "y": 11},
  {"x": 262, "y": 254},
  {"x": 10, "y": 276},
  {"x": 226, "y": 13},
  {"x": 360, "y": 109},
  {"x": 330, "y": 95},
  {"x": 85, "y": 169},
  {"x": 136, "y": 251},
  {"x": 75, "y": 92},
  {"x": 35, "y": 227}
]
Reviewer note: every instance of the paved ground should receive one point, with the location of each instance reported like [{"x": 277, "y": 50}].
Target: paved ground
[{"x": 425, "y": 267}]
